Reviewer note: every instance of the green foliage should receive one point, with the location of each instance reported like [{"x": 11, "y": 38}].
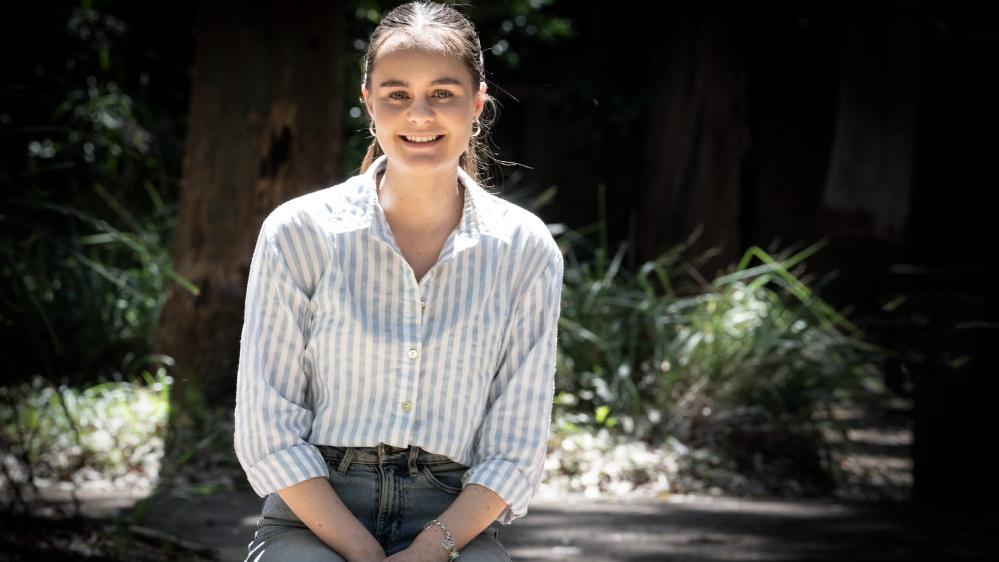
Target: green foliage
[
  {"x": 660, "y": 353},
  {"x": 108, "y": 431},
  {"x": 84, "y": 301},
  {"x": 112, "y": 434},
  {"x": 87, "y": 216},
  {"x": 85, "y": 262},
  {"x": 200, "y": 455}
]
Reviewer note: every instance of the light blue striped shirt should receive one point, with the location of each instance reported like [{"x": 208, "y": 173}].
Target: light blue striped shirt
[{"x": 342, "y": 346}]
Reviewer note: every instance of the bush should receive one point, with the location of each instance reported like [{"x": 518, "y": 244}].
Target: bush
[
  {"x": 750, "y": 364},
  {"x": 108, "y": 434}
]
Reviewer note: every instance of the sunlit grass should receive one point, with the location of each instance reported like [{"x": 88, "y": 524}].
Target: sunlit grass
[
  {"x": 107, "y": 434},
  {"x": 745, "y": 368}
]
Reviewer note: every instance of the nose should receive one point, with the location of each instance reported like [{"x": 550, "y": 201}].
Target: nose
[{"x": 420, "y": 113}]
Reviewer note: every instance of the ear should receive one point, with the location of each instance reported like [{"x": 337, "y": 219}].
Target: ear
[
  {"x": 367, "y": 101},
  {"x": 480, "y": 99}
]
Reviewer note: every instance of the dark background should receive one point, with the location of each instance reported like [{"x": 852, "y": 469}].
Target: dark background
[{"x": 872, "y": 125}]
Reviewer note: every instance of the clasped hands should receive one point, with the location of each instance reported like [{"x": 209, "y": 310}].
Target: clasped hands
[{"x": 425, "y": 548}]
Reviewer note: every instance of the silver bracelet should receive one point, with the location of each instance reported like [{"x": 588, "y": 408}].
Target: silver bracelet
[{"x": 448, "y": 542}]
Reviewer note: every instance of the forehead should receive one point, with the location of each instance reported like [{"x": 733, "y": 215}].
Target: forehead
[{"x": 417, "y": 67}]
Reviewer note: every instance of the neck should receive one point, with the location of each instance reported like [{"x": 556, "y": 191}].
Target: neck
[{"x": 421, "y": 201}]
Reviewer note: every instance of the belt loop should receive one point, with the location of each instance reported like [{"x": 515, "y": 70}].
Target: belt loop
[
  {"x": 345, "y": 462},
  {"x": 414, "y": 451},
  {"x": 381, "y": 454}
]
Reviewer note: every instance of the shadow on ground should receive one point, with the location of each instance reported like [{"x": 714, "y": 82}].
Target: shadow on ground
[{"x": 684, "y": 528}]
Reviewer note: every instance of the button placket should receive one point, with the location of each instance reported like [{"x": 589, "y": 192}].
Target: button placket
[
  {"x": 413, "y": 353},
  {"x": 425, "y": 287}
]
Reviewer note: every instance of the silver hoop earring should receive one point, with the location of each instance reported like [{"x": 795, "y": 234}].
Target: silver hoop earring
[
  {"x": 371, "y": 129},
  {"x": 475, "y": 132}
]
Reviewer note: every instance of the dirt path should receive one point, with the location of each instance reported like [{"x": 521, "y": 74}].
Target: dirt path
[{"x": 868, "y": 519}]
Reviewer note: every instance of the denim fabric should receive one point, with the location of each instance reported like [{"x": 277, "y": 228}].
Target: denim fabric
[{"x": 392, "y": 491}]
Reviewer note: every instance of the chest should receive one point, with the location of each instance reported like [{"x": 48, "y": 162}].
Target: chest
[
  {"x": 371, "y": 319},
  {"x": 420, "y": 250}
]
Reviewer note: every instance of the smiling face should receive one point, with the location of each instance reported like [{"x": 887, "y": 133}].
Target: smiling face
[{"x": 422, "y": 96}]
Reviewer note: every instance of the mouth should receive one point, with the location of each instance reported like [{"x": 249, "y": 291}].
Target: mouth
[{"x": 421, "y": 140}]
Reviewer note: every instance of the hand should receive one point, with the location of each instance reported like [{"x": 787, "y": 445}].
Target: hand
[
  {"x": 374, "y": 557},
  {"x": 371, "y": 553},
  {"x": 421, "y": 550},
  {"x": 412, "y": 555}
]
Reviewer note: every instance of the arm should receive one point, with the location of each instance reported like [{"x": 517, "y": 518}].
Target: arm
[
  {"x": 513, "y": 437},
  {"x": 273, "y": 417},
  {"x": 475, "y": 508},
  {"x": 318, "y": 506}
]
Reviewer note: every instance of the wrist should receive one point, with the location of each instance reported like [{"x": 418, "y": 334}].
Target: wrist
[
  {"x": 429, "y": 540},
  {"x": 365, "y": 550}
]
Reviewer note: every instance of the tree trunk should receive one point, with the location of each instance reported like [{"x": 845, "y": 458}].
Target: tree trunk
[
  {"x": 698, "y": 137},
  {"x": 265, "y": 125},
  {"x": 868, "y": 188}
]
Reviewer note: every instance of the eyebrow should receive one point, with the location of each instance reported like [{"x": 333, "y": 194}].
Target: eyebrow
[{"x": 447, "y": 80}]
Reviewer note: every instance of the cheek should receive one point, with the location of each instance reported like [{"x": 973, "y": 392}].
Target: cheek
[
  {"x": 457, "y": 116},
  {"x": 387, "y": 111}
]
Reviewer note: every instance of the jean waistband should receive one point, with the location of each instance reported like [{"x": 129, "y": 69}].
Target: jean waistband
[{"x": 412, "y": 457}]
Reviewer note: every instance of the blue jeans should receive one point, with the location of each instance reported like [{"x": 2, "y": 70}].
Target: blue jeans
[{"x": 391, "y": 491}]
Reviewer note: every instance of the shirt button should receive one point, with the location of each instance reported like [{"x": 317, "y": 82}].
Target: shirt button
[
  {"x": 407, "y": 406},
  {"x": 412, "y": 354},
  {"x": 423, "y": 304}
]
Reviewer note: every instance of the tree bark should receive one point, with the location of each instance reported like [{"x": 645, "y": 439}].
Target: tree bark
[
  {"x": 265, "y": 125},
  {"x": 699, "y": 135},
  {"x": 869, "y": 184}
]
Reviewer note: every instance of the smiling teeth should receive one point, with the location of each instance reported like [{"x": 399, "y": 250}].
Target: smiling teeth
[{"x": 421, "y": 139}]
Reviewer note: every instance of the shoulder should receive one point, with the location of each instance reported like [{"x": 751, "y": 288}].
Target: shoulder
[
  {"x": 316, "y": 214},
  {"x": 300, "y": 230},
  {"x": 527, "y": 234}
]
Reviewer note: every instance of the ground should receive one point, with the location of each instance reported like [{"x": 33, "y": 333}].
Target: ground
[{"x": 868, "y": 517}]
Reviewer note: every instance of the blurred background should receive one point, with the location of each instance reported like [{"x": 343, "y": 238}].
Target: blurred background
[{"x": 776, "y": 218}]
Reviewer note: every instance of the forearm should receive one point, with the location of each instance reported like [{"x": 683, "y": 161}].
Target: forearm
[
  {"x": 318, "y": 506},
  {"x": 475, "y": 508}
]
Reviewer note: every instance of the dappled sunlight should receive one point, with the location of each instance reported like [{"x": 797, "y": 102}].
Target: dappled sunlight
[
  {"x": 712, "y": 528},
  {"x": 107, "y": 436}
]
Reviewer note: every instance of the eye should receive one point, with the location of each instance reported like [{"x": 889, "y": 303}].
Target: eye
[
  {"x": 446, "y": 93},
  {"x": 392, "y": 95}
]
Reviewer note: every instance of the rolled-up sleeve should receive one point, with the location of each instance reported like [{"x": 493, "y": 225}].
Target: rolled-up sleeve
[
  {"x": 273, "y": 417},
  {"x": 511, "y": 444}
]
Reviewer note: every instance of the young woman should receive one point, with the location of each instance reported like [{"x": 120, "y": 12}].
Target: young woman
[{"x": 396, "y": 368}]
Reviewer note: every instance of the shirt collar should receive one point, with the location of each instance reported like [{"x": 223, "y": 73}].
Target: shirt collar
[{"x": 476, "y": 216}]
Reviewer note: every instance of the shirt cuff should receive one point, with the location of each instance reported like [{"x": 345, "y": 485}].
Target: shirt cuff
[
  {"x": 506, "y": 480},
  {"x": 285, "y": 468}
]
